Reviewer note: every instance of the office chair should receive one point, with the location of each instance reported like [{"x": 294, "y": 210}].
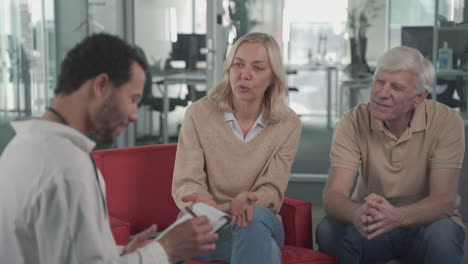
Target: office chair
[
  {"x": 156, "y": 103},
  {"x": 446, "y": 97}
]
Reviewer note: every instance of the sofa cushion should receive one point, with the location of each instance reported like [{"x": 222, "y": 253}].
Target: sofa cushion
[
  {"x": 121, "y": 231},
  {"x": 138, "y": 181},
  {"x": 291, "y": 255}
]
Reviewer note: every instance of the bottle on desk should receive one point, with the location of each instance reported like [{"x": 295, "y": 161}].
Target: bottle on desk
[{"x": 445, "y": 57}]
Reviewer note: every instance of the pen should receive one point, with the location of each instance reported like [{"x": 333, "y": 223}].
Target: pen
[{"x": 190, "y": 211}]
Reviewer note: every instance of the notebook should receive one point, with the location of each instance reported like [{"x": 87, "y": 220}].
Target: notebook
[{"x": 218, "y": 219}]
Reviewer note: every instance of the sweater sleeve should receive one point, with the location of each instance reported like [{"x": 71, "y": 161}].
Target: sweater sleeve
[
  {"x": 271, "y": 186},
  {"x": 189, "y": 173}
]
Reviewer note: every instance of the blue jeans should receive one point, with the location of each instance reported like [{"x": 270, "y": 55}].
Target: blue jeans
[
  {"x": 259, "y": 242},
  {"x": 438, "y": 242}
]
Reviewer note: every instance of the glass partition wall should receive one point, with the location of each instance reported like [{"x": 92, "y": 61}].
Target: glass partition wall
[
  {"x": 35, "y": 36},
  {"x": 171, "y": 34},
  {"x": 27, "y": 57}
]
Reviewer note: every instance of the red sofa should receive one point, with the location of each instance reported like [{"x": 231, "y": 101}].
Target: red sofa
[{"x": 138, "y": 191}]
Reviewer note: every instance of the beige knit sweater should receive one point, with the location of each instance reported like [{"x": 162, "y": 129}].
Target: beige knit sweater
[{"x": 211, "y": 160}]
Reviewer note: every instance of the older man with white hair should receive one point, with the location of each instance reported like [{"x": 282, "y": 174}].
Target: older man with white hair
[{"x": 409, "y": 151}]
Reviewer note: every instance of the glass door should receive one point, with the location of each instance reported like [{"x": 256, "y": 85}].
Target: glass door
[
  {"x": 27, "y": 57},
  {"x": 172, "y": 36}
]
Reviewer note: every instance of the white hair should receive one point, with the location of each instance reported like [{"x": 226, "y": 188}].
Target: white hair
[{"x": 407, "y": 59}]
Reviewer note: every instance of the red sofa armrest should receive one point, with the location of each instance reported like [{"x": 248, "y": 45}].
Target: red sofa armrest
[
  {"x": 120, "y": 230},
  {"x": 297, "y": 222},
  {"x": 135, "y": 178}
]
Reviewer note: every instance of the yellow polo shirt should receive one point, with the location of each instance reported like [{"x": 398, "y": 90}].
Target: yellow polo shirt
[{"x": 399, "y": 169}]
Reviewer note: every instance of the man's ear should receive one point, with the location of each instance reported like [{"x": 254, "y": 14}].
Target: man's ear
[
  {"x": 100, "y": 85},
  {"x": 420, "y": 97}
]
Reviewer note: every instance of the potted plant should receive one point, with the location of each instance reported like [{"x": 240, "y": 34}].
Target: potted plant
[
  {"x": 239, "y": 16},
  {"x": 358, "y": 24}
]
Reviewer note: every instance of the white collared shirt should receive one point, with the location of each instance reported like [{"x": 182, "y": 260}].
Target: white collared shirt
[
  {"x": 259, "y": 125},
  {"x": 51, "y": 207}
]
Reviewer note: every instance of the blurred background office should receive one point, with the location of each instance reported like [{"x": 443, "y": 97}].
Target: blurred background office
[{"x": 329, "y": 49}]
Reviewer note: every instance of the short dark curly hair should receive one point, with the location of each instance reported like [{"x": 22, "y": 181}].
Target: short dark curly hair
[{"x": 96, "y": 54}]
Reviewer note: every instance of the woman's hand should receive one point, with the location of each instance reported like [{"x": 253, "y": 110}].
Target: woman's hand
[
  {"x": 199, "y": 198},
  {"x": 242, "y": 208}
]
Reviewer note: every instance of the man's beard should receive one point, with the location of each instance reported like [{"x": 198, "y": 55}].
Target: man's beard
[
  {"x": 106, "y": 137},
  {"x": 107, "y": 114}
]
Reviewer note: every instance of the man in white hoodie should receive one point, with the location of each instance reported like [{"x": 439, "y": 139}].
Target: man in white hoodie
[{"x": 52, "y": 204}]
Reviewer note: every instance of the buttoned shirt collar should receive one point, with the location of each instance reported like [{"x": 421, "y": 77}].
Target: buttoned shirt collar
[
  {"x": 228, "y": 116},
  {"x": 259, "y": 125}
]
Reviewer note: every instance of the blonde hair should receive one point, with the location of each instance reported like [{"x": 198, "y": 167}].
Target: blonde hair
[
  {"x": 404, "y": 58},
  {"x": 274, "y": 100}
]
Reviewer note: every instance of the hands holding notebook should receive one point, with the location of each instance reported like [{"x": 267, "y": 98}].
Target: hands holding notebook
[
  {"x": 241, "y": 206},
  {"x": 216, "y": 218},
  {"x": 184, "y": 239}
]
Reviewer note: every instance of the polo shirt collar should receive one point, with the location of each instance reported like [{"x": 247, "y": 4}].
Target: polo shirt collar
[
  {"x": 417, "y": 123},
  {"x": 375, "y": 123}
]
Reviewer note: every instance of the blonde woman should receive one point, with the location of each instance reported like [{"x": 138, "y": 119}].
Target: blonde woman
[{"x": 235, "y": 152}]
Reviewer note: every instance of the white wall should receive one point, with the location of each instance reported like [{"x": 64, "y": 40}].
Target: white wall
[
  {"x": 152, "y": 25},
  {"x": 309, "y": 15},
  {"x": 269, "y": 14},
  {"x": 376, "y": 37},
  {"x": 66, "y": 25},
  {"x": 107, "y": 17}
]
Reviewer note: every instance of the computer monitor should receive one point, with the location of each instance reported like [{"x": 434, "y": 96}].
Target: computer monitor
[
  {"x": 187, "y": 48},
  {"x": 420, "y": 38}
]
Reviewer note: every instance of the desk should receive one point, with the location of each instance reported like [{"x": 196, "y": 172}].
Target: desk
[{"x": 186, "y": 77}]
